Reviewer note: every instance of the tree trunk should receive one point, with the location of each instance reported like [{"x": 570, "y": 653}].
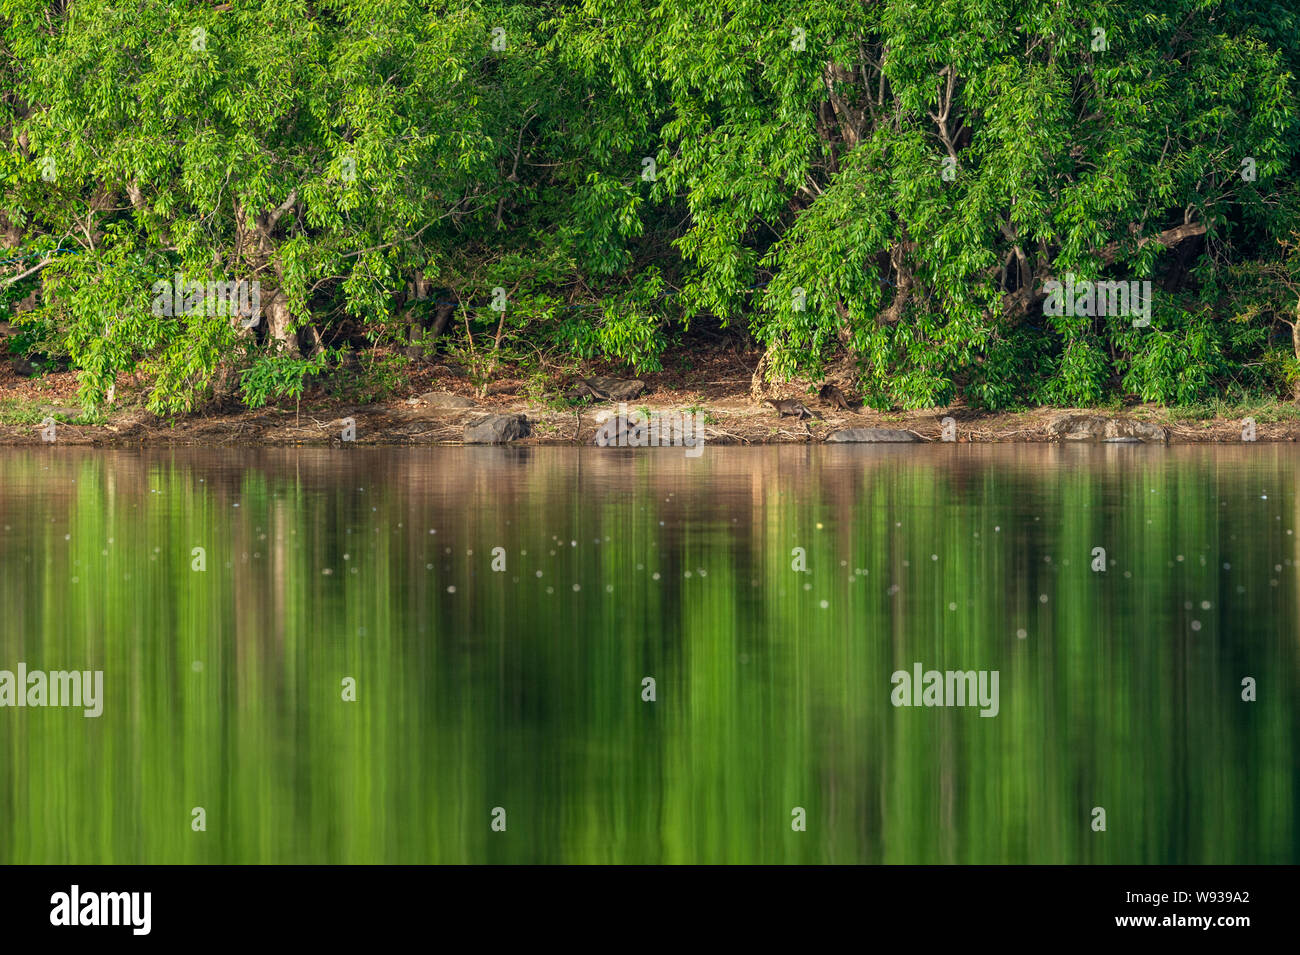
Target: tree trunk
[
  {"x": 1295, "y": 347},
  {"x": 758, "y": 383},
  {"x": 442, "y": 317},
  {"x": 278, "y": 321}
]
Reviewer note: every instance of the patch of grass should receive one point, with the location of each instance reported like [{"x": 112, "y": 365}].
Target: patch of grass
[
  {"x": 1263, "y": 410},
  {"x": 21, "y": 411},
  {"x": 1196, "y": 412}
]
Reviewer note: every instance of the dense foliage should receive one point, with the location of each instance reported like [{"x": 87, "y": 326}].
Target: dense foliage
[{"x": 880, "y": 191}]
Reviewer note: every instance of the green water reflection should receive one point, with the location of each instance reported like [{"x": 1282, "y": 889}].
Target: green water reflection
[{"x": 523, "y": 689}]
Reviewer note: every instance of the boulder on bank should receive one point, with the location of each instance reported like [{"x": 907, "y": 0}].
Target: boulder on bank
[
  {"x": 616, "y": 433},
  {"x": 871, "y": 436},
  {"x": 608, "y": 389},
  {"x": 1098, "y": 428},
  {"x": 497, "y": 429}
]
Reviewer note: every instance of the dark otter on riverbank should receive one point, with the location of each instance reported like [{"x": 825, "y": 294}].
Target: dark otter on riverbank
[
  {"x": 833, "y": 396},
  {"x": 789, "y": 408}
]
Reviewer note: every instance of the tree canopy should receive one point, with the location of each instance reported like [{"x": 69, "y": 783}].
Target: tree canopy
[{"x": 882, "y": 191}]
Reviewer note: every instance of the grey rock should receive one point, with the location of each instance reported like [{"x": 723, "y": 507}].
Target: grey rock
[
  {"x": 871, "y": 436},
  {"x": 1097, "y": 428},
  {"x": 1077, "y": 427},
  {"x": 608, "y": 389},
  {"x": 1142, "y": 430},
  {"x": 616, "y": 433},
  {"x": 497, "y": 429}
]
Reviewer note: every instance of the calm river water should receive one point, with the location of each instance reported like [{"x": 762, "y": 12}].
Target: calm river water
[{"x": 445, "y": 655}]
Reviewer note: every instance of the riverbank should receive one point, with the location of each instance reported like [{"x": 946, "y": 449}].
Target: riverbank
[{"x": 437, "y": 402}]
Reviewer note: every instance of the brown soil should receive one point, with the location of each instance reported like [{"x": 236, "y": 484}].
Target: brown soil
[{"x": 716, "y": 385}]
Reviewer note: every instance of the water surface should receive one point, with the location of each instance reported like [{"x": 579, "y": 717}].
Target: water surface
[{"x": 770, "y": 593}]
